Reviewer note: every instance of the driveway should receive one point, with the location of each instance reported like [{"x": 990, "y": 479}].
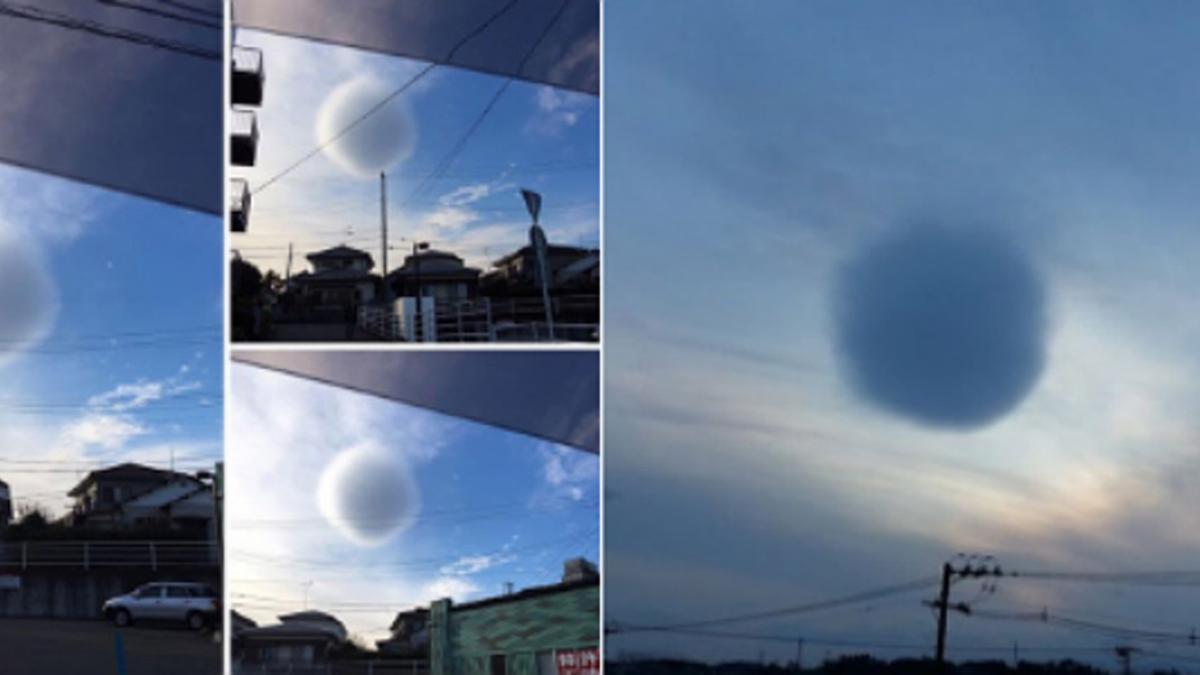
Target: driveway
[{"x": 50, "y": 647}]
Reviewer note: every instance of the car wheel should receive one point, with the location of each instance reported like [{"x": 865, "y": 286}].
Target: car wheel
[
  {"x": 195, "y": 620},
  {"x": 121, "y": 618}
]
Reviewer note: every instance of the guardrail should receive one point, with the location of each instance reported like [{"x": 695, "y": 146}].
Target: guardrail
[{"x": 93, "y": 554}]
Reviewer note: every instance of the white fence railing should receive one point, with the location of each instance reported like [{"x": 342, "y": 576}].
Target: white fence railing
[
  {"x": 334, "y": 668},
  {"x": 92, "y": 554},
  {"x": 475, "y": 320}
]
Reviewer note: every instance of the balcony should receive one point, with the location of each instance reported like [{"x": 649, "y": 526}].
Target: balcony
[
  {"x": 243, "y": 137},
  {"x": 247, "y": 78},
  {"x": 239, "y": 205}
]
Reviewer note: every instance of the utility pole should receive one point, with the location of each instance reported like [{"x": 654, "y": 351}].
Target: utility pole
[
  {"x": 288, "y": 272},
  {"x": 943, "y": 604},
  {"x": 800, "y": 654},
  {"x": 949, "y": 575},
  {"x": 1125, "y": 654},
  {"x": 387, "y": 291}
]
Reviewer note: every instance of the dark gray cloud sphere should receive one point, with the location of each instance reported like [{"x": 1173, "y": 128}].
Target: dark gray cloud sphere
[{"x": 941, "y": 325}]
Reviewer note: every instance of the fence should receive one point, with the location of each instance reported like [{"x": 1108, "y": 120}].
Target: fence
[
  {"x": 488, "y": 320},
  {"x": 335, "y": 668},
  {"x": 95, "y": 554}
]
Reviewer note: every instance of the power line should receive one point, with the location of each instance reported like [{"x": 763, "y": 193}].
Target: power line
[
  {"x": 179, "y": 4},
  {"x": 1152, "y": 578},
  {"x": 448, "y": 160},
  {"x": 855, "y": 598},
  {"x": 317, "y": 150},
  {"x": 472, "y": 510},
  {"x": 387, "y": 99},
  {"x": 860, "y": 644},
  {"x": 1107, "y": 629},
  {"x": 162, "y": 14},
  {"x": 415, "y": 563},
  {"x": 44, "y": 16},
  {"x": 149, "y": 332}
]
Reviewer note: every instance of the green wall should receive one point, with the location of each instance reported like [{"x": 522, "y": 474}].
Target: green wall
[{"x": 463, "y": 641}]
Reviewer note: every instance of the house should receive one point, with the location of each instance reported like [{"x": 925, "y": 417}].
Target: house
[
  {"x": 340, "y": 279},
  {"x": 437, "y": 274},
  {"x": 570, "y": 269},
  {"x": 239, "y": 623},
  {"x": 410, "y": 636},
  {"x": 544, "y": 629},
  {"x": 6, "y": 509},
  {"x": 300, "y": 640},
  {"x": 128, "y": 496}
]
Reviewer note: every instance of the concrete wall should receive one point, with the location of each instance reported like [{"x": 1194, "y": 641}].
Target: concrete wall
[
  {"x": 78, "y": 594},
  {"x": 525, "y": 631}
]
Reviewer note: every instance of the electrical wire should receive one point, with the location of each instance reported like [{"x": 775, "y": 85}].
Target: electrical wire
[
  {"x": 855, "y": 598},
  {"x": 60, "y": 20},
  {"x": 386, "y": 100}
]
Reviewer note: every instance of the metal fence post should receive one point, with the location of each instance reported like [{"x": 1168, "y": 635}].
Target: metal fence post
[
  {"x": 85, "y": 555},
  {"x": 24, "y": 555},
  {"x": 153, "y": 557}
]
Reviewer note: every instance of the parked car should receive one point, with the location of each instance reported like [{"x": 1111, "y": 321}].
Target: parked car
[{"x": 195, "y": 604}]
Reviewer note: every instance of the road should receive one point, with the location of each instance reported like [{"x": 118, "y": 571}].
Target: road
[{"x": 50, "y": 647}]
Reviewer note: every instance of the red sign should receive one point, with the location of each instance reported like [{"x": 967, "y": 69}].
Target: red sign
[{"x": 579, "y": 661}]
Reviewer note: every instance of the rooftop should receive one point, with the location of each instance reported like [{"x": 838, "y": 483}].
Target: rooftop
[
  {"x": 127, "y": 471},
  {"x": 339, "y": 251}
]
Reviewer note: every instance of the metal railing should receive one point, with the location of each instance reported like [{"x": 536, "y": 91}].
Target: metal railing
[
  {"x": 380, "y": 323},
  {"x": 388, "y": 667},
  {"x": 93, "y": 554}
]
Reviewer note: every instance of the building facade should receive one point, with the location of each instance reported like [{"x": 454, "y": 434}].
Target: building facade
[
  {"x": 437, "y": 274},
  {"x": 545, "y": 630},
  {"x": 340, "y": 278},
  {"x": 129, "y": 496}
]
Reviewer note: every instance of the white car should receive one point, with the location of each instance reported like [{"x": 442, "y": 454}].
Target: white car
[{"x": 195, "y": 604}]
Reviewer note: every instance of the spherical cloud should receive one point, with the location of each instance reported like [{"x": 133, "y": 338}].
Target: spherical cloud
[
  {"x": 27, "y": 294},
  {"x": 942, "y": 325},
  {"x": 368, "y": 494},
  {"x": 380, "y": 141}
]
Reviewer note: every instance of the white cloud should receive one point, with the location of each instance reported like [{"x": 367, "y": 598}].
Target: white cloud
[
  {"x": 456, "y": 588},
  {"x": 468, "y": 565},
  {"x": 138, "y": 394},
  {"x": 466, "y": 194},
  {"x": 567, "y": 473},
  {"x": 293, "y": 428},
  {"x": 558, "y": 110},
  {"x": 102, "y": 430},
  {"x": 450, "y": 218}
]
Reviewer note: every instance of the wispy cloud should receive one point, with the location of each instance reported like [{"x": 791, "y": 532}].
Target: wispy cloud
[
  {"x": 557, "y": 110},
  {"x": 139, "y": 394},
  {"x": 105, "y": 431},
  {"x": 468, "y": 565}
]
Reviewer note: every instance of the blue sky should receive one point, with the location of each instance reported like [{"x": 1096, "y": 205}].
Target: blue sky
[
  {"x": 483, "y": 506},
  {"x": 115, "y": 354},
  {"x": 809, "y": 175},
  {"x": 534, "y": 137}
]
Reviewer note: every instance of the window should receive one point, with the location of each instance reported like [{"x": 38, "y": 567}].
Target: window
[
  {"x": 499, "y": 664},
  {"x": 178, "y": 592},
  {"x": 148, "y": 592}
]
